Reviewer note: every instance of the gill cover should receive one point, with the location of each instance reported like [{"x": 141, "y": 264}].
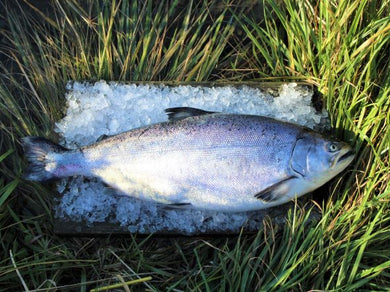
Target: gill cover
[{"x": 299, "y": 157}]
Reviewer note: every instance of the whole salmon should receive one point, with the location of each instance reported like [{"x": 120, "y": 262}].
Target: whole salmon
[{"x": 207, "y": 160}]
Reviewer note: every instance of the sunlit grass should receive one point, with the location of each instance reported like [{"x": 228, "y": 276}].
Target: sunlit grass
[
  {"x": 339, "y": 46},
  {"x": 84, "y": 40},
  {"x": 342, "y": 47}
]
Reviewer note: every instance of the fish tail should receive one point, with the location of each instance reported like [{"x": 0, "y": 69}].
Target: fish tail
[{"x": 41, "y": 155}]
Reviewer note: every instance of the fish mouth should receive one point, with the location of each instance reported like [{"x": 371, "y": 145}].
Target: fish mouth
[{"x": 346, "y": 155}]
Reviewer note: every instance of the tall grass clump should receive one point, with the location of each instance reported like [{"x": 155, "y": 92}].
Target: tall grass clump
[
  {"x": 126, "y": 40},
  {"x": 43, "y": 48},
  {"x": 341, "y": 47}
]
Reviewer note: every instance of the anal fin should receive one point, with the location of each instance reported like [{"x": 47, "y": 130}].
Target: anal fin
[
  {"x": 178, "y": 206},
  {"x": 276, "y": 191}
]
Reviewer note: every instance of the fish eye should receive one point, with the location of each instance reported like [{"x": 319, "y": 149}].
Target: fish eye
[{"x": 332, "y": 147}]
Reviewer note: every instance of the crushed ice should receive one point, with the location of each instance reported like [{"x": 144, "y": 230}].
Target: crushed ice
[{"x": 102, "y": 108}]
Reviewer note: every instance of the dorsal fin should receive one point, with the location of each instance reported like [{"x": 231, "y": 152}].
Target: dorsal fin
[
  {"x": 102, "y": 137},
  {"x": 180, "y": 113}
]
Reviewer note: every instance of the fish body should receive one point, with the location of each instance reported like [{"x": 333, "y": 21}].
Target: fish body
[{"x": 225, "y": 162}]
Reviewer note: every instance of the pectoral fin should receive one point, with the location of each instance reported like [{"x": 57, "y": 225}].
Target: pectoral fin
[
  {"x": 276, "y": 191},
  {"x": 180, "y": 113}
]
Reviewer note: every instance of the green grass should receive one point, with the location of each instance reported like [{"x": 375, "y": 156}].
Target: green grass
[{"x": 339, "y": 46}]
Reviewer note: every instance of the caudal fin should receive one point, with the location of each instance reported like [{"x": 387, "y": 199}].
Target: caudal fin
[{"x": 40, "y": 154}]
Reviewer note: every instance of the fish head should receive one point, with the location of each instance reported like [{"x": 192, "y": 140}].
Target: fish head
[{"x": 318, "y": 159}]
